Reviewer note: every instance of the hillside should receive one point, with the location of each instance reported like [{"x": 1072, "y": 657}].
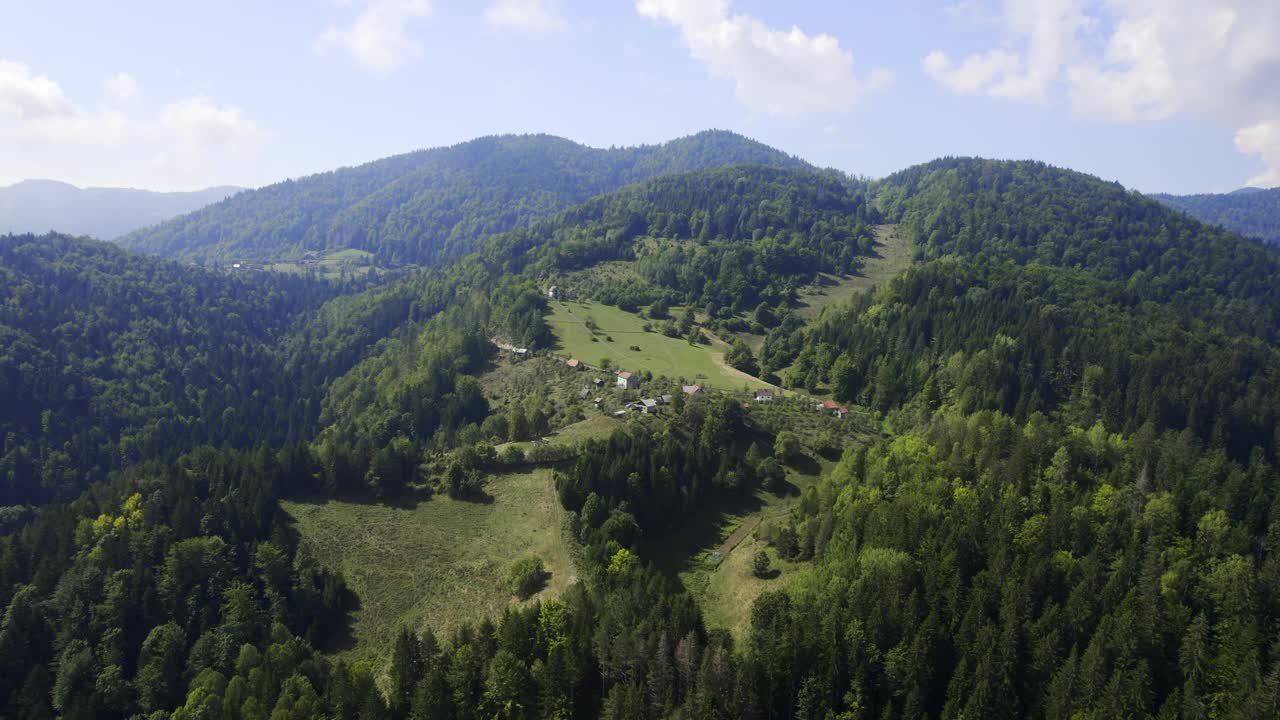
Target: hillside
[
  {"x": 417, "y": 208},
  {"x": 109, "y": 358},
  {"x": 1252, "y": 212},
  {"x": 40, "y": 206},
  {"x": 1023, "y": 465}
]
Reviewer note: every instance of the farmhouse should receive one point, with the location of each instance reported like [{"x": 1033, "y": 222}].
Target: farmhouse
[
  {"x": 764, "y": 395},
  {"x": 649, "y": 405},
  {"x": 627, "y": 381},
  {"x": 691, "y": 390},
  {"x": 573, "y": 364},
  {"x": 831, "y": 408}
]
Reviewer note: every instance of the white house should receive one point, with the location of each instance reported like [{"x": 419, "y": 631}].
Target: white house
[
  {"x": 627, "y": 381},
  {"x": 764, "y": 395}
]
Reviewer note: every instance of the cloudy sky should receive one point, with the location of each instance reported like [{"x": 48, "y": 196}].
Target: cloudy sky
[{"x": 1162, "y": 95}]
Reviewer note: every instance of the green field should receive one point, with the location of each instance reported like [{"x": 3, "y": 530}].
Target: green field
[
  {"x": 331, "y": 265},
  {"x": 712, "y": 553},
  {"x": 660, "y": 355},
  {"x": 893, "y": 255},
  {"x": 440, "y": 563}
]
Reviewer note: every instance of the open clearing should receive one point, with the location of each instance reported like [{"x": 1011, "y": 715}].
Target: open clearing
[
  {"x": 331, "y": 265},
  {"x": 659, "y": 354},
  {"x": 712, "y": 553},
  {"x": 440, "y": 563},
  {"x": 893, "y": 255}
]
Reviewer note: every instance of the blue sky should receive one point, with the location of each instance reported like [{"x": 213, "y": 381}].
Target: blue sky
[{"x": 1162, "y": 95}]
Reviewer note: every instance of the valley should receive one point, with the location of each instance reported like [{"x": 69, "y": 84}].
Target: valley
[{"x": 976, "y": 439}]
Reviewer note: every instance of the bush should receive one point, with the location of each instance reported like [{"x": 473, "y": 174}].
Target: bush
[
  {"x": 511, "y": 455},
  {"x": 760, "y": 564},
  {"x": 526, "y": 576}
]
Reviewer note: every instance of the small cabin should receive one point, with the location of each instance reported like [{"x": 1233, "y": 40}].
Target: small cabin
[
  {"x": 691, "y": 390},
  {"x": 573, "y": 364},
  {"x": 764, "y": 395}
]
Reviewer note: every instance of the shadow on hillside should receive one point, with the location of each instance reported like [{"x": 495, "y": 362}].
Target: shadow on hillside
[{"x": 677, "y": 550}]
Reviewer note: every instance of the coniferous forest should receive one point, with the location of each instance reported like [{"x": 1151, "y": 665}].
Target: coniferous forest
[{"x": 1058, "y": 502}]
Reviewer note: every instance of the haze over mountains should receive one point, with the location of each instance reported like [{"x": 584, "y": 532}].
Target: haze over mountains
[
  {"x": 1252, "y": 212},
  {"x": 38, "y": 206}
]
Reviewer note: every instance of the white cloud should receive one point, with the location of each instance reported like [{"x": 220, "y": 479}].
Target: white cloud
[
  {"x": 40, "y": 112},
  {"x": 28, "y": 96},
  {"x": 198, "y": 122},
  {"x": 536, "y": 17},
  {"x": 1044, "y": 39},
  {"x": 1212, "y": 59},
  {"x": 120, "y": 87},
  {"x": 43, "y": 133},
  {"x": 378, "y": 38},
  {"x": 784, "y": 73},
  {"x": 1262, "y": 139}
]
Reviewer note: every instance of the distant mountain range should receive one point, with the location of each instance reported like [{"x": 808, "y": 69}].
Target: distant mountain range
[
  {"x": 38, "y": 206},
  {"x": 420, "y": 207},
  {"x": 1252, "y": 212}
]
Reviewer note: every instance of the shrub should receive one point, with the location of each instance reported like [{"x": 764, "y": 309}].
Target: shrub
[
  {"x": 760, "y": 564},
  {"x": 511, "y": 455},
  {"x": 526, "y": 576}
]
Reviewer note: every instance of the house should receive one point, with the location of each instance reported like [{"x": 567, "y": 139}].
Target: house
[
  {"x": 627, "y": 381},
  {"x": 573, "y": 364},
  {"x": 764, "y": 395},
  {"x": 598, "y": 382},
  {"x": 521, "y": 352},
  {"x": 691, "y": 390},
  {"x": 649, "y": 405},
  {"x": 664, "y": 400},
  {"x": 831, "y": 408}
]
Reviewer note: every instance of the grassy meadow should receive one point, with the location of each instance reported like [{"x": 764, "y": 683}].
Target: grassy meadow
[
  {"x": 893, "y": 255},
  {"x": 660, "y": 355},
  {"x": 439, "y": 563}
]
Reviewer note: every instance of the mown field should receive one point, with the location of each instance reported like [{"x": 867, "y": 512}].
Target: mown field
[
  {"x": 673, "y": 357},
  {"x": 350, "y": 260},
  {"x": 712, "y": 553},
  {"x": 893, "y": 255},
  {"x": 439, "y": 563}
]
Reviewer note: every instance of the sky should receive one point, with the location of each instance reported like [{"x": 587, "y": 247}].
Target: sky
[{"x": 1161, "y": 95}]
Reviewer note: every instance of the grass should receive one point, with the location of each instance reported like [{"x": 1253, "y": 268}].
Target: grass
[
  {"x": 331, "y": 265},
  {"x": 711, "y": 554},
  {"x": 440, "y": 563},
  {"x": 893, "y": 255},
  {"x": 660, "y": 355}
]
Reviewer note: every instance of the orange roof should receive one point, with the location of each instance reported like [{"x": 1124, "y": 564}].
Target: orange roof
[{"x": 830, "y": 405}]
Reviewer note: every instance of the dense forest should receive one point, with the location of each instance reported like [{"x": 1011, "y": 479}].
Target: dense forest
[
  {"x": 110, "y": 358},
  {"x": 420, "y": 207},
  {"x": 1064, "y": 510},
  {"x": 1252, "y": 212}
]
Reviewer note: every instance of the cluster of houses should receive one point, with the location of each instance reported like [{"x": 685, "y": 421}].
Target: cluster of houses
[{"x": 650, "y": 406}]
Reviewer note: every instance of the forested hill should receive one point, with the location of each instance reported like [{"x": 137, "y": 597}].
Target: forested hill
[
  {"x": 109, "y": 357},
  {"x": 1030, "y": 212},
  {"x": 422, "y": 206},
  {"x": 1252, "y": 212},
  {"x": 40, "y": 206}
]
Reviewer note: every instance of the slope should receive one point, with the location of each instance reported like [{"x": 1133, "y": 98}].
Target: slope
[
  {"x": 108, "y": 358},
  {"x": 1252, "y": 212},
  {"x": 423, "y": 206}
]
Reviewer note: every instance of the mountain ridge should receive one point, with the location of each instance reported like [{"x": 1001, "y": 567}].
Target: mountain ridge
[
  {"x": 39, "y": 205},
  {"x": 419, "y": 207}
]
